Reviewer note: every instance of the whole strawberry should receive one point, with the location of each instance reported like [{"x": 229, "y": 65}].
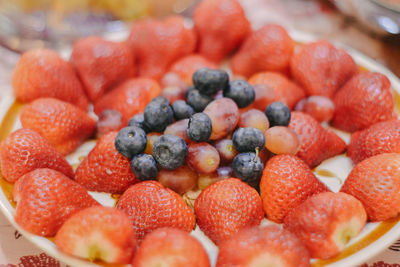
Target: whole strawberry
[
  {"x": 101, "y": 64},
  {"x": 227, "y": 206},
  {"x": 64, "y": 125},
  {"x": 286, "y": 183},
  {"x": 105, "y": 169},
  {"x": 46, "y": 199},
  {"x": 25, "y": 150},
  {"x": 222, "y": 26},
  {"x": 43, "y": 73}
]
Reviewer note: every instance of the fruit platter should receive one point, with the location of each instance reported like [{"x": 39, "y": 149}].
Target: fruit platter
[{"x": 202, "y": 142}]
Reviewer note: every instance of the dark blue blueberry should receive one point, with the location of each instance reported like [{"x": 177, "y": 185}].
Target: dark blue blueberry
[
  {"x": 199, "y": 127},
  {"x": 198, "y": 101},
  {"x": 170, "y": 151},
  {"x": 209, "y": 81},
  {"x": 241, "y": 92},
  {"x": 130, "y": 141},
  {"x": 248, "y": 167},
  {"x": 158, "y": 114},
  {"x": 182, "y": 110},
  {"x": 190, "y": 88},
  {"x": 138, "y": 121},
  {"x": 278, "y": 114},
  {"x": 248, "y": 139},
  {"x": 144, "y": 167}
]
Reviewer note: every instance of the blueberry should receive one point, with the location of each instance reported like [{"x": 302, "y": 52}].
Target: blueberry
[
  {"x": 199, "y": 127},
  {"x": 130, "y": 141},
  {"x": 198, "y": 101},
  {"x": 182, "y": 110},
  {"x": 248, "y": 167},
  {"x": 138, "y": 121},
  {"x": 209, "y": 81},
  {"x": 248, "y": 139},
  {"x": 158, "y": 114},
  {"x": 278, "y": 114},
  {"x": 241, "y": 92},
  {"x": 170, "y": 151},
  {"x": 144, "y": 167},
  {"x": 190, "y": 88}
]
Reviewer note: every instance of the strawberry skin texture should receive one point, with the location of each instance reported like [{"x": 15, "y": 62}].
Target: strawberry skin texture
[
  {"x": 325, "y": 222},
  {"x": 267, "y": 245},
  {"x": 227, "y": 206},
  {"x": 46, "y": 199},
  {"x": 25, "y": 150},
  {"x": 98, "y": 232},
  {"x": 286, "y": 183},
  {"x": 100, "y": 64},
  {"x": 321, "y": 69},
  {"x": 317, "y": 143},
  {"x": 43, "y": 73},
  {"x": 363, "y": 101},
  {"x": 375, "y": 181},
  {"x": 65, "y": 126},
  {"x": 170, "y": 247},
  {"x": 149, "y": 206},
  {"x": 105, "y": 169}
]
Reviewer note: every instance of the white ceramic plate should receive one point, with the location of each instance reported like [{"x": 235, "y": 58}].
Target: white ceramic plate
[{"x": 373, "y": 239}]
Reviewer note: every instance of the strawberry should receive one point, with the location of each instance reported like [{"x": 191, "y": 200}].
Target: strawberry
[
  {"x": 325, "y": 223},
  {"x": 109, "y": 120},
  {"x": 100, "y": 233},
  {"x": 317, "y": 143},
  {"x": 101, "y": 64},
  {"x": 382, "y": 137},
  {"x": 321, "y": 69},
  {"x": 267, "y": 49},
  {"x": 43, "y": 73},
  {"x": 170, "y": 247},
  {"x": 157, "y": 44},
  {"x": 129, "y": 98},
  {"x": 222, "y": 26},
  {"x": 46, "y": 199},
  {"x": 26, "y": 150},
  {"x": 149, "y": 205},
  {"x": 375, "y": 181},
  {"x": 265, "y": 246},
  {"x": 227, "y": 206},
  {"x": 286, "y": 182},
  {"x": 62, "y": 124},
  {"x": 364, "y": 100},
  {"x": 283, "y": 90},
  {"x": 104, "y": 169}
]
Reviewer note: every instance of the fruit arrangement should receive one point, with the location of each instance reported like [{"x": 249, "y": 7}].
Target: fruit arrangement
[{"x": 183, "y": 144}]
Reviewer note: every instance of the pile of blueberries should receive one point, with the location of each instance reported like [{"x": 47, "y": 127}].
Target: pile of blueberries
[{"x": 170, "y": 151}]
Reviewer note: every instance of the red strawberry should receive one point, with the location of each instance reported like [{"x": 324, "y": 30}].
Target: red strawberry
[
  {"x": 282, "y": 90},
  {"x": 170, "y": 247},
  {"x": 46, "y": 199},
  {"x": 382, "y": 137},
  {"x": 375, "y": 181},
  {"x": 227, "y": 206},
  {"x": 266, "y": 246},
  {"x": 104, "y": 169},
  {"x": 149, "y": 205},
  {"x": 101, "y": 64},
  {"x": 109, "y": 120},
  {"x": 364, "y": 100},
  {"x": 317, "y": 143},
  {"x": 321, "y": 69},
  {"x": 222, "y": 26},
  {"x": 24, "y": 151},
  {"x": 98, "y": 233},
  {"x": 129, "y": 98},
  {"x": 62, "y": 124},
  {"x": 43, "y": 73},
  {"x": 325, "y": 222},
  {"x": 157, "y": 44},
  {"x": 286, "y": 182},
  {"x": 267, "y": 49}
]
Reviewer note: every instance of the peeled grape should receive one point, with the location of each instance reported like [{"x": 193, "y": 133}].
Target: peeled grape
[{"x": 282, "y": 140}]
